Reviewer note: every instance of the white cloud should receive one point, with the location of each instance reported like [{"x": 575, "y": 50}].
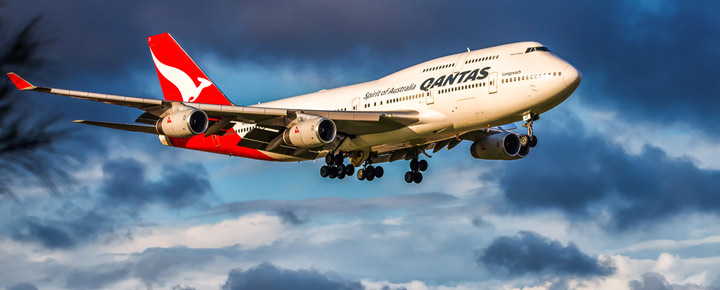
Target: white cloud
[
  {"x": 248, "y": 232},
  {"x": 396, "y": 221},
  {"x": 378, "y": 285},
  {"x": 669, "y": 244}
]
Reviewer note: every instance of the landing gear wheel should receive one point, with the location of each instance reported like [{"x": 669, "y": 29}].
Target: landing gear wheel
[
  {"x": 417, "y": 177},
  {"x": 341, "y": 169},
  {"x": 379, "y": 172},
  {"x": 409, "y": 177},
  {"x": 370, "y": 171},
  {"x": 324, "y": 171},
  {"x": 341, "y": 175},
  {"x": 333, "y": 173},
  {"x": 339, "y": 159},
  {"x": 330, "y": 159},
  {"x": 422, "y": 165},
  {"x": 524, "y": 140},
  {"x": 361, "y": 174},
  {"x": 370, "y": 177},
  {"x": 533, "y": 141},
  {"x": 414, "y": 165},
  {"x": 349, "y": 169}
]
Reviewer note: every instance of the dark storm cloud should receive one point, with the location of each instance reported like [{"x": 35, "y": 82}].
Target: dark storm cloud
[
  {"x": 152, "y": 266},
  {"x": 530, "y": 253},
  {"x": 656, "y": 281},
  {"x": 583, "y": 175},
  {"x": 288, "y": 217},
  {"x": 323, "y": 31},
  {"x": 267, "y": 276},
  {"x": 645, "y": 59},
  {"x": 22, "y": 286},
  {"x": 155, "y": 264},
  {"x": 125, "y": 181},
  {"x": 650, "y": 281},
  {"x": 63, "y": 230},
  {"x": 99, "y": 277},
  {"x": 182, "y": 287},
  {"x": 125, "y": 193},
  {"x": 479, "y": 222},
  {"x": 387, "y": 287},
  {"x": 289, "y": 210}
]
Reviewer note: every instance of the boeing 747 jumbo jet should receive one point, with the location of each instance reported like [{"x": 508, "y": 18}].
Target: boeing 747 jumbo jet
[{"x": 427, "y": 107}]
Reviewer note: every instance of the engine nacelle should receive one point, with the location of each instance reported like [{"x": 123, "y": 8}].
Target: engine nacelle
[
  {"x": 524, "y": 151},
  {"x": 310, "y": 131},
  {"x": 183, "y": 123},
  {"x": 502, "y": 146}
]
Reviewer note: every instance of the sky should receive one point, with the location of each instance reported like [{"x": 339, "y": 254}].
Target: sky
[{"x": 621, "y": 192}]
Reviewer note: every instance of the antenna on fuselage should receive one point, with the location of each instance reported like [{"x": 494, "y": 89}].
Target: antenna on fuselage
[{"x": 468, "y": 48}]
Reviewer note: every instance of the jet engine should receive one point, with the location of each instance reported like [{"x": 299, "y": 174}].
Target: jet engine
[
  {"x": 183, "y": 123},
  {"x": 502, "y": 146},
  {"x": 310, "y": 131}
]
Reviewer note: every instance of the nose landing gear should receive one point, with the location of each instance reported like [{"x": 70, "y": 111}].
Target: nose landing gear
[{"x": 530, "y": 139}]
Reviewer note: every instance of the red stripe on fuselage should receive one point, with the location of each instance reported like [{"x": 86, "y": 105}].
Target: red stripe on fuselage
[{"x": 228, "y": 145}]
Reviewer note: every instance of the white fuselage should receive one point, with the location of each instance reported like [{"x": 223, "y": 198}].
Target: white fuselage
[{"x": 454, "y": 94}]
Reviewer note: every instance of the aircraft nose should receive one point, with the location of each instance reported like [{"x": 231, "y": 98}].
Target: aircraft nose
[{"x": 571, "y": 76}]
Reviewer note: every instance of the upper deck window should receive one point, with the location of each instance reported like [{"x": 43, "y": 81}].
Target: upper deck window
[{"x": 537, "y": 48}]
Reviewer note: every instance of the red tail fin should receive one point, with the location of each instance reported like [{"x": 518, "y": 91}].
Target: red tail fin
[{"x": 180, "y": 78}]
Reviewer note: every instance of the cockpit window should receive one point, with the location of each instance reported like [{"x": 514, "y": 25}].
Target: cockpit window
[{"x": 537, "y": 48}]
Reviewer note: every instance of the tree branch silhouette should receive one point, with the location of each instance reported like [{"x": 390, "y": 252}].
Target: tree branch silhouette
[{"x": 26, "y": 142}]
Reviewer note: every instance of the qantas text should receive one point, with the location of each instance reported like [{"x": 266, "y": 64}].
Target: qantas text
[{"x": 462, "y": 77}]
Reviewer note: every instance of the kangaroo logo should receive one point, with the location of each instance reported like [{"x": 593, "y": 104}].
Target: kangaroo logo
[{"x": 181, "y": 80}]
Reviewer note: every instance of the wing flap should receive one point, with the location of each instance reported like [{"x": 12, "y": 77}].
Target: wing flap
[{"x": 120, "y": 126}]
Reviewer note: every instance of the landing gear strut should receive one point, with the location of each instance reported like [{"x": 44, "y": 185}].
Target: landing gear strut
[{"x": 530, "y": 139}]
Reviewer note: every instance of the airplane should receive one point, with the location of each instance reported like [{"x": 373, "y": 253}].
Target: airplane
[{"x": 432, "y": 105}]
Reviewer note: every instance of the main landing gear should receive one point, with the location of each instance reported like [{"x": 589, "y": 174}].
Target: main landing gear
[
  {"x": 369, "y": 172},
  {"x": 414, "y": 174},
  {"x": 335, "y": 167},
  {"x": 530, "y": 139}
]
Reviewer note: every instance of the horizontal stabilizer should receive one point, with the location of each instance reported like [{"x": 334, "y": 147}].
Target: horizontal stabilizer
[{"x": 120, "y": 126}]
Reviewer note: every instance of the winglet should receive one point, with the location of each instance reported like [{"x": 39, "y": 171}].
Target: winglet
[{"x": 19, "y": 82}]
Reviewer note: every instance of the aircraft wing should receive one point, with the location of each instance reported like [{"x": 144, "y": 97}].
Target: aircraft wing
[{"x": 348, "y": 122}]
